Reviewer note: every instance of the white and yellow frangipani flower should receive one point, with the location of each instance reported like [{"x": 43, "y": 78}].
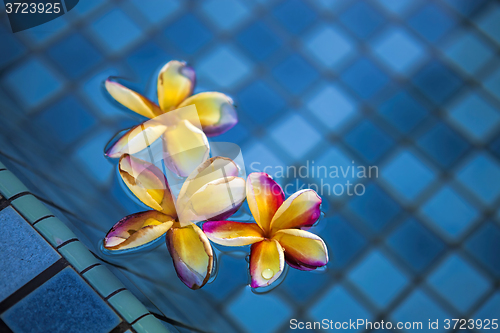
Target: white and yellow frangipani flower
[{"x": 212, "y": 191}]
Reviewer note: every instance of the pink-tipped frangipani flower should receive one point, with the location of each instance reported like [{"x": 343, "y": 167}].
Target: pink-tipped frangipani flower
[
  {"x": 215, "y": 115},
  {"x": 277, "y": 236},
  {"x": 212, "y": 191}
]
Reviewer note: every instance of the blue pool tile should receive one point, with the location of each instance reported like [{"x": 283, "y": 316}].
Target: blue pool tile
[
  {"x": 399, "y": 50},
  {"x": 397, "y": 7},
  {"x": 338, "y": 305},
  {"x": 66, "y": 120},
  {"x": 415, "y": 244},
  {"x": 260, "y": 101},
  {"x": 233, "y": 273},
  {"x": 332, "y": 106},
  {"x": 337, "y": 177},
  {"x": 12, "y": 47},
  {"x": 43, "y": 82},
  {"x": 481, "y": 175},
  {"x": 302, "y": 286},
  {"x": 95, "y": 93},
  {"x": 432, "y": 21},
  {"x": 419, "y": 307},
  {"x": 31, "y": 257},
  {"x": 362, "y": 19},
  {"x": 408, "y": 175},
  {"x": 294, "y": 15},
  {"x": 64, "y": 303},
  {"x": 74, "y": 55},
  {"x": 258, "y": 156},
  {"x": 495, "y": 146},
  {"x": 329, "y": 45},
  {"x": 295, "y": 74},
  {"x": 459, "y": 283},
  {"x": 469, "y": 52},
  {"x": 475, "y": 116},
  {"x": 375, "y": 207},
  {"x": 91, "y": 156},
  {"x": 44, "y": 33},
  {"x": 378, "y": 278},
  {"x": 490, "y": 309},
  {"x": 157, "y": 10},
  {"x": 466, "y": 7},
  {"x": 403, "y": 111},
  {"x": 369, "y": 141},
  {"x": 295, "y": 135},
  {"x": 146, "y": 60},
  {"x": 437, "y": 81},
  {"x": 484, "y": 245},
  {"x": 225, "y": 66},
  {"x": 259, "y": 40},
  {"x": 86, "y": 7},
  {"x": 452, "y": 214},
  {"x": 492, "y": 83},
  {"x": 258, "y": 313},
  {"x": 188, "y": 33},
  {"x": 489, "y": 22},
  {"x": 115, "y": 31},
  {"x": 365, "y": 78},
  {"x": 226, "y": 14},
  {"x": 443, "y": 145}
]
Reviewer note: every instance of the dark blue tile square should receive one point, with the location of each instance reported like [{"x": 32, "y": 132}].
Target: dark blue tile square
[
  {"x": 484, "y": 245},
  {"x": 65, "y": 303},
  {"x": 362, "y": 19},
  {"x": 443, "y": 144},
  {"x": 259, "y": 40},
  {"x": 295, "y": 74},
  {"x": 365, "y": 78},
  {"x": 375, "y": 207},
  {"x": 66, "y": 120},
  {"x": 437, "y": 81},
  {"x": 188, "y": 33},
  {"x": 432, "y": 21},
  {"x": 302, "y": 286},
  {"x": 260, "y": 102},
  {"x": 415, "y": 244},
  {"x": 403, "y": 111},
  {"x": 12, "y": 48},
  {"x": 369, "y": 141},
  {"x": 294, "y": 15},
  {"x": 74, "y": 55}
]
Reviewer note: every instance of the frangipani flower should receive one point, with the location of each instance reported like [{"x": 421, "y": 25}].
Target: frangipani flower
[
  {"x": 213, "y": 190},
  {"x": 215, "y": 114},
  {"x": 277, "y": 235}
]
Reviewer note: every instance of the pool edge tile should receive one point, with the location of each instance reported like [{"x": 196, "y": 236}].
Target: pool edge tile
[
  {"x": 10, "y": 185},
  {"x": 30, "y": 208},
  {"x": 149, "y": 324},
  {"x": 128, "y": 305}
]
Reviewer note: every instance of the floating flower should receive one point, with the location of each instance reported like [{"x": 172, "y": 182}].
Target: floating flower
[
  {"x": 215, "y": 114},
  {"x": 277, "y": 235},
  {"x": 213, "y": 190}
]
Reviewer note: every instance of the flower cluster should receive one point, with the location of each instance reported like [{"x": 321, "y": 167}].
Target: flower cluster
[{"x": 211, "y": 192}]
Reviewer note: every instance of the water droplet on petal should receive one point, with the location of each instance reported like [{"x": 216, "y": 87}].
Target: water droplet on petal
[{"x": 267, "y": 273}]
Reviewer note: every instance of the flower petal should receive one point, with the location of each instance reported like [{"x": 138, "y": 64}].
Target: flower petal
[
  {"x": 148, "y": 184},
  {"x": 303, "y": 250},
  {"x": 231, "y": 233},
  {"x": 176, "y": 82},
  {"x": 266, "y": 262},
  {"x": 215, "y": 111},
  {"x": 192, "y": 255},
  {"x": 136, "y": 139},
  {"x": 216, "y": 200},
  {"x": 186, "y": 146},
  {"x": 137, "y": 229},
  {"x": 300, "y": 210},
  {"x": 264, "y": 197},
  {"x": 132, "y": 100}
]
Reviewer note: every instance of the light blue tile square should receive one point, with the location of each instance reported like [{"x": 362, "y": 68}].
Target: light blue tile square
[
  {"x": 469, "y": 52},
  {"x": 490, "y": 22},
  {"x": 32, "y": 82},
  {"x": 339, "y": 171},
  {"x": 450, "y": 213},
  {"x": 378, "y": 278},
  {"x": 459, "y": 283},
  {"x": 96, "y": 94},
  {"x": 329, "y": 45},
  {"x": 226, "y": 14},
  {"x": 259, "y": 158},
  {"x": 90, "y": 157},
  {"x": 475, "y": 117},
  {"x": 408, "y": 175},
  {"x": 481, "y": 176}
]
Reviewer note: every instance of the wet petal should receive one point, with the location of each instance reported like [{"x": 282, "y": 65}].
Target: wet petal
[
  {"x": 136, "y": 139},
  {"x": 266, "y": 262},
  {"x": 132, "y": 100},
  {"x": 192, "y": 255},
  {"x": 264, "y": 197},
  {"x": 186, "y": 146},
  {"x": 148, "y": 184},
  {"x": 300, "y": 210},
  {"x": 137, "y": 229},
  {"x": 216, "y": 200},
  {"x": 216, "y": 112},
  {"x": 231, "y": 233},
  {"x": 176, "y": 82},
  {"x": 303, "y": 250}
]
